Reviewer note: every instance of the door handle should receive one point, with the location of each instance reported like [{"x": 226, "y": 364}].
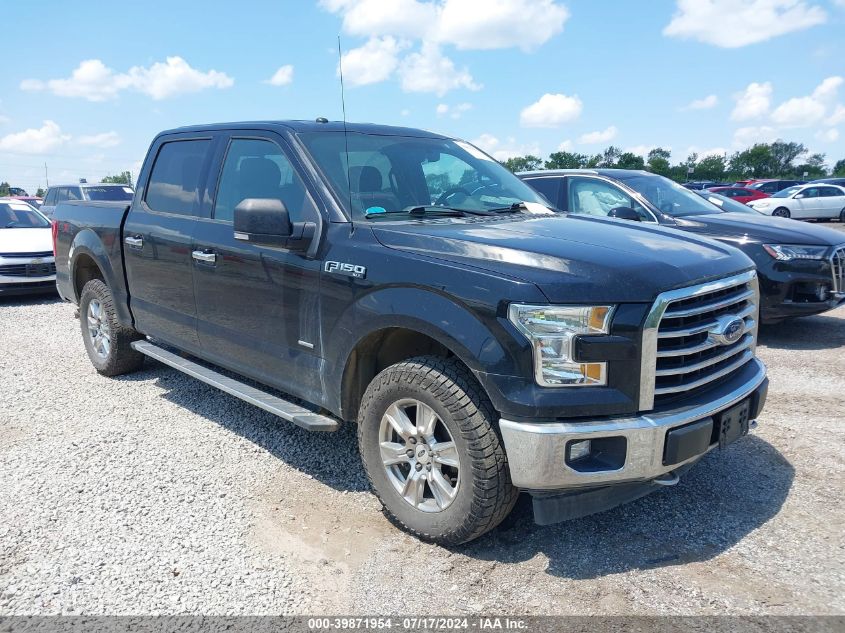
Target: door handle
[
  {"x": 134, "y": 242},
  {"x": 202, "y": 256}
]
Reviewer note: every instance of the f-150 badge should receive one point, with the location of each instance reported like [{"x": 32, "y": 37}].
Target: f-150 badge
[{"x": 347, "y": 270}]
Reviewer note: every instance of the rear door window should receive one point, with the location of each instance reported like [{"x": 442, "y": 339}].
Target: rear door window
[
  {"x": 549, "y": 187},
  {"x": 176, "y": 177},
  {"x": 50, "y": 200}
]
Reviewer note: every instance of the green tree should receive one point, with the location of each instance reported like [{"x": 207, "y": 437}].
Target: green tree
[
  {"x": 814, "y": 167},
  {"x": 757, "y": 161},
  {"x": 610, "y": 157},
  {"x": 524, "y": 163},
  {"x": 783, "y": 155},
  {"x": 40, "y": 193},
  {"x": 629, "y": 160},
  {"x": 123, "y": 178},
  {"x": 839, "y": 168},
  {"x": 658, "y": 161},
  {"x": 4, "y": 188},
  {"x": 710, "y": 168},
  {"x": 566, "y": 160}
]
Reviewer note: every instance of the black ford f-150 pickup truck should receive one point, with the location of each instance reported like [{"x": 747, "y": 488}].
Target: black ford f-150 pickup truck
[{"x": 408, "y": 282}]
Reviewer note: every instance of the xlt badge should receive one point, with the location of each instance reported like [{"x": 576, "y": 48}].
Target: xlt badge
[{"x": 348, "y": 270}]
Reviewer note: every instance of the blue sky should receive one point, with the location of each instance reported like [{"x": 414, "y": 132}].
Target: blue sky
[{"x": 87, "y": 85}]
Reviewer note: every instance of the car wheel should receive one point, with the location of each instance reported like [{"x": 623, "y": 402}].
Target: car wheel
[
  {"x": 781, "y": 212},
  {"x": 842, "y": 216},
  {"x": 431, "y": 451},
  {"x": 107, "y": 342}
]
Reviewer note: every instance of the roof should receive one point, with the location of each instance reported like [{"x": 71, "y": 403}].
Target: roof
[
  {"x": 88, "y": 184},
  {"x": 620, "y": 174},
  {"x": 299, "y": 127}
]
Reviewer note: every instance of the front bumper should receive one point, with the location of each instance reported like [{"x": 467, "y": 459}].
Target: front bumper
[{"x": 537, "y": 452}]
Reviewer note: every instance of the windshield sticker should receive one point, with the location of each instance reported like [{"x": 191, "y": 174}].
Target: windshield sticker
[
  {"x": 472, "y": 150},
  {"x": 375, "y": 210}
]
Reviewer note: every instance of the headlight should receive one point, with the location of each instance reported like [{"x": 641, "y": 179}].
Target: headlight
[
  {"x": 552, "y": 330},
  {"x": 787, "y": 252}
]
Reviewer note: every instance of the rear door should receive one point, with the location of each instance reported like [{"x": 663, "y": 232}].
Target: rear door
[
  {"x": 49, "y": 204},
  {"x": 258, "y": 306},
  {"x": 832, "y": 201},
  {"x": 157, "y": 239}
]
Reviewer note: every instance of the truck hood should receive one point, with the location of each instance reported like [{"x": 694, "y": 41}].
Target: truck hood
[
  {"x": 571, "y": 258},
  {"x": 763, "y": 228},
  {"x": 26, "y": 241}
]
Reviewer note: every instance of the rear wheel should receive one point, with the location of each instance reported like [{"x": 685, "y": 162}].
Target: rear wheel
[
  {"x": 107, "y": 342},
  {"x": 781, "y": 212},
  {"x": 427, "y": 439},
  {"x": 842, "y": 216}
]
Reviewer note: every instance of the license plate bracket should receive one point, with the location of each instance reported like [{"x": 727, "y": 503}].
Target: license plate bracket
[{"x": 733, "y": 423}]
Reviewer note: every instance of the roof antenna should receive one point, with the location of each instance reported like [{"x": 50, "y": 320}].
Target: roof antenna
[{"x": 345, "y": 132}]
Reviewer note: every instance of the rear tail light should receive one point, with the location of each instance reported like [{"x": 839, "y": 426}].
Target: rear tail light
[{"x": 54, "y": 229}]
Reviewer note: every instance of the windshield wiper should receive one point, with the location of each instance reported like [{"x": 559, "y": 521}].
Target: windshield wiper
[{"x": 418, "y": 210}]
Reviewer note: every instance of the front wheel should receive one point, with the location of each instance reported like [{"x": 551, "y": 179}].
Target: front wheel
[
  {"x": 427, "y": 439},
  {"x": 107, "y": 342},
  {"x": 781, "y": 213}
]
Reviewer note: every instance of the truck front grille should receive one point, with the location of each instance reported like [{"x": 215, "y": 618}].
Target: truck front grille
[
  {"x": 28, "y": 270},
  {"x": 837, "y": 265},
  {"x": 685, "y": 347}
]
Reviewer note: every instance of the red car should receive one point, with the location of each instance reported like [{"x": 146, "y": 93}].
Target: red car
[{"x": 740, "y": 194}]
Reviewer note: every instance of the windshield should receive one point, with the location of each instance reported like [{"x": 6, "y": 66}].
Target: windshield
[
  {"x": 668, "y": 196},
  {"x": 726, "y": 204},
  {"x": 19, "y": 215},
  {"x": 395, "y": 173},
  {"x": 104, "y": 194},
  {"x": 785, "y": 193}
]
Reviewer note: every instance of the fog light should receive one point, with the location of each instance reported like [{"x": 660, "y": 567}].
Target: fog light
[{"x": 578, "y": 450}]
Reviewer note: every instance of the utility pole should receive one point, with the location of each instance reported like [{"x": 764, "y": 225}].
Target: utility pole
[{"x": 46, "y": 177}]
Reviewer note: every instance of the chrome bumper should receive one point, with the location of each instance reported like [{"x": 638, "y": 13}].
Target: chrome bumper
[{"x": 537, "y": 452}]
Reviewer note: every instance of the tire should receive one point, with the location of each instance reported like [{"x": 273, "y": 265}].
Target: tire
[
  {"x": 842, "y": 216},
  {"x": 479, "y": 493},
  {"x": 106, "y": 340},
  {"x": 781, "y": 212}
]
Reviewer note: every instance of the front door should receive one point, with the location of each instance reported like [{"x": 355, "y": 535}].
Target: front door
[
  {"x": 258, "y": 306},
  {"x": 809, "y": 204},
  {"x": 157, "y": 243}
]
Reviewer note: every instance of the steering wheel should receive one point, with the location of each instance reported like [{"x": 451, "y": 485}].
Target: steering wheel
[{"x": 443, "y": 197}]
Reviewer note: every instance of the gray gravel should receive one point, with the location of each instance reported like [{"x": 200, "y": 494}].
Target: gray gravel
[{"x": 155, "y": 494}]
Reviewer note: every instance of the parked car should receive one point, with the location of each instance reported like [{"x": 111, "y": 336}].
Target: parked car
[
  {"x": 829, "y": 181},
  {"x": 94, "y": 192},
  {"x": 740, "y": 194},
  {"x": 32, "y": 201},
  {"x": 26, "y": 250},
  {"x": 729, "y": 205},
  {"x": 772, "y": 186},
  {"x": 698, "y": 185},
  {"x": 805, "y": 202},
  {"x": 800, "y": 265},
  {"x": 483, "y": 343}
]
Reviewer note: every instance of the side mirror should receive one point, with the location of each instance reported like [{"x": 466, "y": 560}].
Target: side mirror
[
  {"x": 798, "y": 196},
  {"x": 624, "y": 213},
  {"x": 262, "y": 221}
]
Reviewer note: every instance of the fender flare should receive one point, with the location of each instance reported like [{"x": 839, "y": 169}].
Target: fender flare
[{"x": 88, "y": 243}]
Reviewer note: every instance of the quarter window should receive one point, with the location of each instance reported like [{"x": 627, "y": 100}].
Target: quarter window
[
  {"x": 549, "y": 187},
  {"x": 257, "y": 168},
  {"x": 175, "y": 179}
]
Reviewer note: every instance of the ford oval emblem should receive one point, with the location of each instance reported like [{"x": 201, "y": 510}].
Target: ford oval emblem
[{"x": 728, "y": 330}]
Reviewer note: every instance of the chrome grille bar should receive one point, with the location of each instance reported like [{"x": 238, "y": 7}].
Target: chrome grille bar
[
  {"x": 837, "y": 265},
  {"x": 746, "y": 342},
  {"x": 703, "y": 327},
  {"x": 747, "y": 355}
]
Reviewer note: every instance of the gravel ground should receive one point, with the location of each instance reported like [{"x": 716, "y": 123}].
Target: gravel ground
[{"x": 154, "y": 494}]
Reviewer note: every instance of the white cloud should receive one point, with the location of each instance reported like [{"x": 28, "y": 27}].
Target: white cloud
[
  {"x": 105, "y": 139},
  {"x": 455, "y": 111},
  {"x": 442, "y": 109},
  {"x": 838, "y": 115},
  {"x": 466, "y": 24},
  {"x": 828, "y": 136},
  {"x": 373, "y": 62},
  {"x": 746, "y": 136},
  {"x": 430, "y": 71},
  {"x": 487, "y": 142},
  {"x": 405, "y": 112},
  {"x": 35, "y": 141},
  {"x": 94, "y": 81},
  {"x": 551, "y": 110},
  {"x": 565, "y": 146},
  {"x": 641, "y": 150},
  {"x": 503, "y": 151},
  {"x": 809, "y": 110},
  {"x": 710, "y": 101},
  {"x": 736, "y": 23},
  {"x": 281, "y": 77},
  {"x": 752, "y": 102},
  {"x": 490, "y": 24},
  {"x": 599, "y": 136},
  {"x": 707, "y": 151}
]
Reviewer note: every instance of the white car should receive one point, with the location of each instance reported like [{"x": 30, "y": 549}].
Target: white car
[
  {"x": 805, "y": 202},
  {"x": 26, "y": 250}
]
